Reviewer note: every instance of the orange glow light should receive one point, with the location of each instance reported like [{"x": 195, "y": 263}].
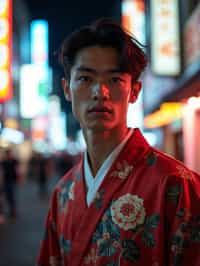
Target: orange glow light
[
  {"x": 11, "y": 123},
  {"x": 5, "y": 50},
  {"x": 126, "y": 22},
  {"x": 167, "y": 113}
]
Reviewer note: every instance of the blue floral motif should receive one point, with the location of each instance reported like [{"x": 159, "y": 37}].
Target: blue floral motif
[
  {"x": 65, "y": 245},
  {"x": 78, "y": 175},
  {"x": 111, "y": 264},
  {"x": 64, "y": 193},
  {"x": 107, "y": 236}
]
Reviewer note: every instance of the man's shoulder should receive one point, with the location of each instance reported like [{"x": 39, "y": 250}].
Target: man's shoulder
[
  {"x": 165, "y": 157},
  {"x": 170, "y": 166}
]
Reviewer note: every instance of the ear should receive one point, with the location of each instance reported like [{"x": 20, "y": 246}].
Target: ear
[
  {"x": 136, "y": 87},
  {"x": 66, "y": 89}
]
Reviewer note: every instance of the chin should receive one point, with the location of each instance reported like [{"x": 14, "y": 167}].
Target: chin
[{"x": 98, "y": 126}]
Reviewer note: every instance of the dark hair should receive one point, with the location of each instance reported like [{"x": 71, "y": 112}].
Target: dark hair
[{"x": 106, "y": 33}]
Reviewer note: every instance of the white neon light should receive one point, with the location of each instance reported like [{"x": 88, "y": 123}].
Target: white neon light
[
  {"x": 31, "y": 103},
  {"x": 4, "y": 78},
  {"x": 12, "y": 135},
  {"x": 3, "y": 6},
  {"x": 3, "y": 28},
  {"x": 3, "y": 54}
]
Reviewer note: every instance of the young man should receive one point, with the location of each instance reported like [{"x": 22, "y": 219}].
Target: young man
[
  {"x": 125, "y": 203},
  {"x": 10, "y": 173}
]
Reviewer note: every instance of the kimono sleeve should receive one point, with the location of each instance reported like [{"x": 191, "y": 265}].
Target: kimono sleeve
[
  {"x": 183, "y": 219},
  {"x": 49, "y": 253}
]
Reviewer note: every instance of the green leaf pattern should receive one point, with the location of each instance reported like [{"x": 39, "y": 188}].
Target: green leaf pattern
[{"x": 130, "y": 250}]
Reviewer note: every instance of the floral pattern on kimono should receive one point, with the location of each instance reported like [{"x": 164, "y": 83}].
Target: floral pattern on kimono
[{"x": 126, "y": 213}]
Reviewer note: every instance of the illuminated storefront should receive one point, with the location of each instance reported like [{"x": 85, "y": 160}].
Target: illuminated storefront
[{"x": 181, "y": 125}]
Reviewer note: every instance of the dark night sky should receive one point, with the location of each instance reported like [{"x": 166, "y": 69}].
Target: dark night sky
[{"x": 65, "y": 16}]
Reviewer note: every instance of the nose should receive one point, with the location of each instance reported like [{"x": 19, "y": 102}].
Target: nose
[{"x": 100, "y": 92}]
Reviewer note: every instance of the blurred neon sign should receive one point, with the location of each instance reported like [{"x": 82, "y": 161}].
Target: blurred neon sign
[
  {"x": 33, "y": 101},
  {"x": 39, "y": 42},
  {"x": 133, "y": 18},
  {"x": 36, "y": 75},
  {"x": 6, "y": 89}
]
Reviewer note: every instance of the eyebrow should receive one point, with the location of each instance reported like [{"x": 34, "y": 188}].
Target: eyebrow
[{"x": 94, "y": 71}]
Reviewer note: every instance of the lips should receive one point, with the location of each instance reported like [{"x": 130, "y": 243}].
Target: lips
[{"x": 100, "y": 109}]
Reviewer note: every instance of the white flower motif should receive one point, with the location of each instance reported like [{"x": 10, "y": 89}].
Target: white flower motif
[
  {"x": 123, "y": 170},
  {"x": 185, "y": 173},
  {"x": 71, "y": 191},
  {"x": 128, "y": 211}
]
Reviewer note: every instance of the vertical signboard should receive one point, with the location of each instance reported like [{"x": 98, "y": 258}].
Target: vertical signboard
[
  {"x": 6, "y": 89},
  {"x": 165, "y": 40},
  {"x": 133, "y": 20}
]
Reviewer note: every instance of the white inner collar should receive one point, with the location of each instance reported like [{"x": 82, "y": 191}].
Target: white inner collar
[{"x": 93, "y": 183}]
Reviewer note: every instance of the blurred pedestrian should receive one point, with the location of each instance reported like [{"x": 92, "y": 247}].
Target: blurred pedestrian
[
  {"x": 65, "y": 162},
  {"x": 2, "y": 214},
  {"x": 45, "y": 172},
  {"x": 125, "y": 203},
  {"x": 32, "y": 172},
  {"x": 10, "y": 170}
]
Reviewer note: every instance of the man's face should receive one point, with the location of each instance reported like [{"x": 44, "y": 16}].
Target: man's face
[{"x": 99, "y": 92}]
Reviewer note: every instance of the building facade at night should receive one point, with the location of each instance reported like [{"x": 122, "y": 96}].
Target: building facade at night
[{"x": 172, "y": 102}]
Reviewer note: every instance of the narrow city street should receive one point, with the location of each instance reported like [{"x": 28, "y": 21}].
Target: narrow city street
[{"x": 19, "y": 240}]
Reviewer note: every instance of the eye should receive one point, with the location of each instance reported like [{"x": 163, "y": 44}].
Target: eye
[
  {"x": 117, "y": 80},
  {"x": 84, "y": 78}
]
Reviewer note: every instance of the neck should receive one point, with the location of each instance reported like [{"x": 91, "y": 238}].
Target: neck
[{"x": 101, "y": 144}]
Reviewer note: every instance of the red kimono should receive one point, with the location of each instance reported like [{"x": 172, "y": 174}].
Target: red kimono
[{"x": 145, "y": 213}]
